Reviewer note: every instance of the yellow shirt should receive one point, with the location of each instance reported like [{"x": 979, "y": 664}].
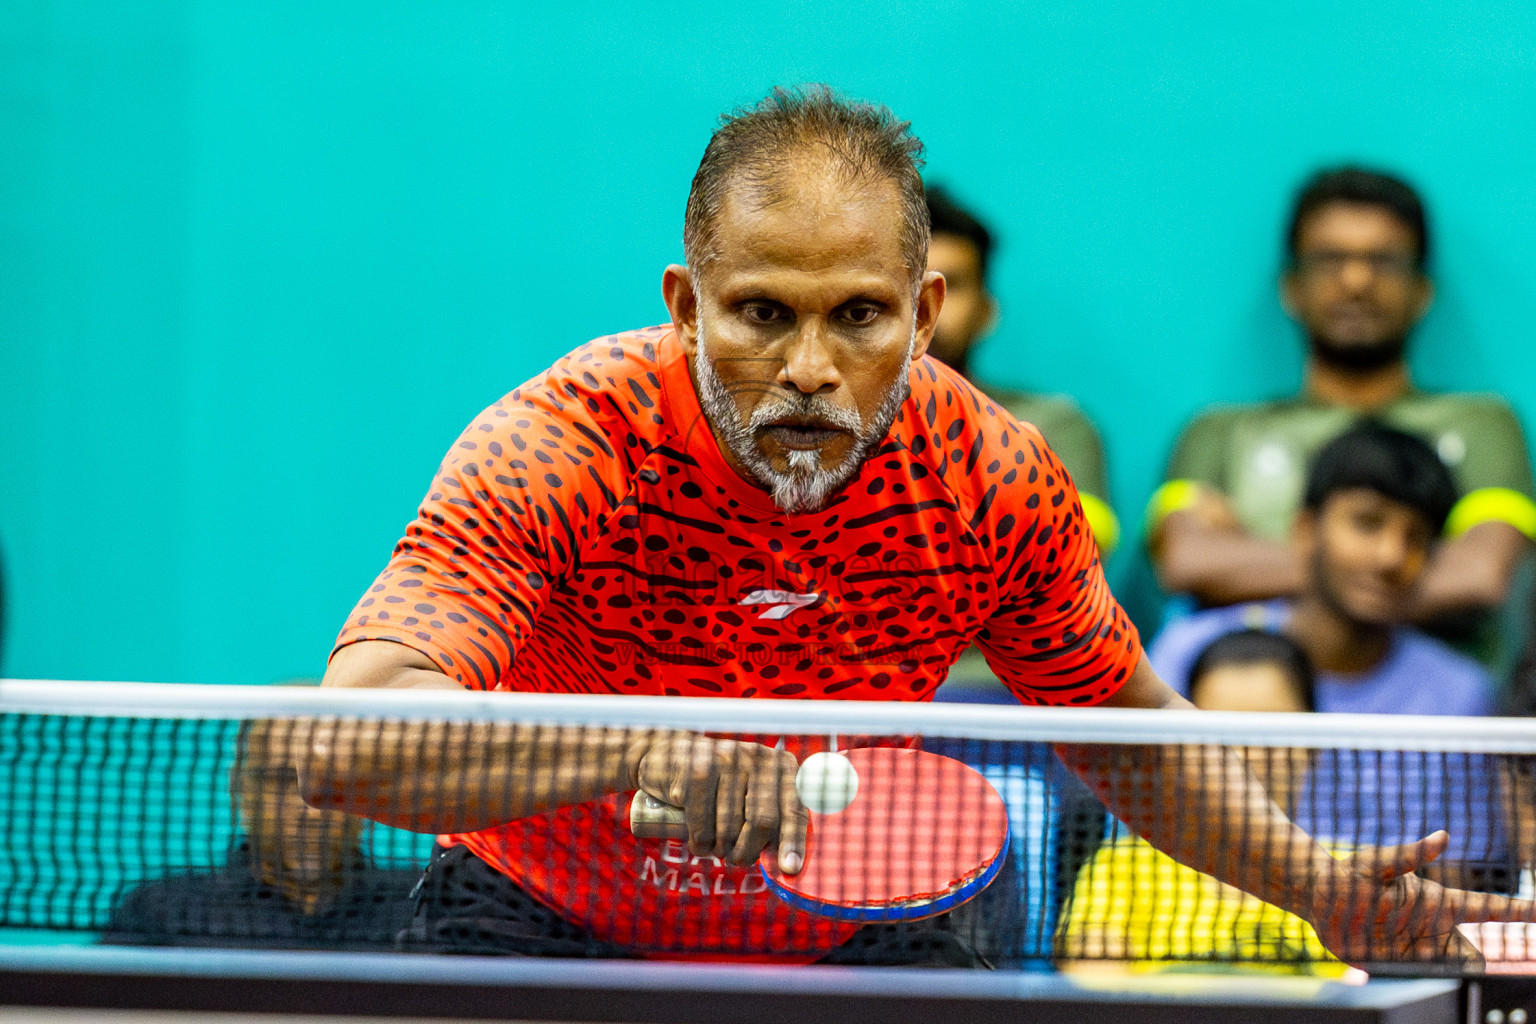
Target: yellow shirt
[{"x": 1133, "y": 903}]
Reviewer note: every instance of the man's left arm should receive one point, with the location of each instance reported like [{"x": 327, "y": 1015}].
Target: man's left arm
[
  {"x": 1470, "y": 570},
  {"x": 1491, "y": 528},
  {"x": 1203, "y": 807}
]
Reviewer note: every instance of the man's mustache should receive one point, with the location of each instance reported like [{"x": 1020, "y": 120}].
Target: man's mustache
[{"x": 806, "y": 411}]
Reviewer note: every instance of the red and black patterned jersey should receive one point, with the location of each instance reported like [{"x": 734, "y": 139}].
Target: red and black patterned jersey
[{"x": 585, "y": 534}]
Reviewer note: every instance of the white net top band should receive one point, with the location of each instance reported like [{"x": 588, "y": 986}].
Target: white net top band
[{"x": 793, "y": 717}]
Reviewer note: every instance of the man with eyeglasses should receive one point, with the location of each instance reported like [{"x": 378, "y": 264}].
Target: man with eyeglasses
[{"x": 1356, "y": 283}]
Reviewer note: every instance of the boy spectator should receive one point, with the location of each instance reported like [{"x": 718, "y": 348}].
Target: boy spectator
[
  {"x": 1374, "y": 503},
  {"x": 1357, "y": 247}
]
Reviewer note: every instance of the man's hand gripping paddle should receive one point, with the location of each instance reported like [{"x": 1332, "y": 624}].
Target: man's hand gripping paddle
[{"x": 895, "y": 835}]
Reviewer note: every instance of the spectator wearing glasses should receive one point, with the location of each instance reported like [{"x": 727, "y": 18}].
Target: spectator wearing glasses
[{"x": 1356, "y": 282}]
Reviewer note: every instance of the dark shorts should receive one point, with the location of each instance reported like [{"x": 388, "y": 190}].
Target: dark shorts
[{"x": 463, "y": 905}]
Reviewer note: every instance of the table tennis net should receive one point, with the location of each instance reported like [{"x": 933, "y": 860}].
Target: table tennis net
[{"x": 176, "y": 816}]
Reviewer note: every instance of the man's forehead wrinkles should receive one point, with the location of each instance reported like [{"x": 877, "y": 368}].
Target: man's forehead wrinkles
[
  {"x": 833, "y": 286},
  {"x": 811, "y": 238}
]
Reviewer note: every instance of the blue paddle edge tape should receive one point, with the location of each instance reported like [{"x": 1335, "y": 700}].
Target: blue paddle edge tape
[{"x": 896, "y": 911}]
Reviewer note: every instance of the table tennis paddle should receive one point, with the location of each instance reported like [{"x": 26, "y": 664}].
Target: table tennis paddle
[{"x": 896, "y": 834}]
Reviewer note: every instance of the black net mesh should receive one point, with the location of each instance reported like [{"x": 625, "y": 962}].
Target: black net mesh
[{"x": 196, "y": 831}]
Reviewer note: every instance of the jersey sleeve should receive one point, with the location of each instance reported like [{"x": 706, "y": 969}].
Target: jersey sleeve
[
  {"x": 1496, "y": 452},
  {"x": 1077, "y": 444},
  {"x": 1200, "y": 453},
  {"x": 515, "y": 498},
  {"x": 1057, "y": 635},
  {"x": 1495, "y": 475}
]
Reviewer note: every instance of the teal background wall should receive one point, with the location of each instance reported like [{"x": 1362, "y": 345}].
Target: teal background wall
[{"x": 260, "y": 262}]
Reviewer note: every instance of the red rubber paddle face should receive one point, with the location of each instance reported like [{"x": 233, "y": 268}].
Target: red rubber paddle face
[{"x": 922, "y": 827}]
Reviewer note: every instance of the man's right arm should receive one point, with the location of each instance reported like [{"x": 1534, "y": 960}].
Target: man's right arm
[
  {"x": 461, "y": 777},
  {"x": 440, "y": 777}
]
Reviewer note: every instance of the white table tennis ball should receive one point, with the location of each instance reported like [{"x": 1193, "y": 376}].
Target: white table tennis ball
[{"x": 827, "y": 782}]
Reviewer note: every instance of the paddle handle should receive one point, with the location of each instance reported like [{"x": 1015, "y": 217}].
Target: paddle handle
[{"x": 650, "y": 818}]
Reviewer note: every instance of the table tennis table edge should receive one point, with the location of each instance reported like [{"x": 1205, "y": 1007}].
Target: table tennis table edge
[{"x": 657, "y": 992}]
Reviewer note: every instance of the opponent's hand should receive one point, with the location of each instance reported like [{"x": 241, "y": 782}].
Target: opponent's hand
[
  {"x": 737, "y": 798},
  {"x": 1372, "y": 908}
]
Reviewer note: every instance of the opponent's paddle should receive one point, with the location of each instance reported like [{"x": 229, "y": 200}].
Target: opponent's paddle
[{"x": 895, "y": 835}]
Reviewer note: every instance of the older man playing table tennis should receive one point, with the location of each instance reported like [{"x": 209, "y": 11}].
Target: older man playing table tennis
[{"x": 776, "y": 496}]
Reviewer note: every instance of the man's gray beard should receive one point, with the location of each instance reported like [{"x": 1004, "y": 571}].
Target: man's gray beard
[{"x": 807, "y": 486}]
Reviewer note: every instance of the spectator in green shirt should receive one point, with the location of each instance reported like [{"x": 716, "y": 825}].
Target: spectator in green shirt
[
  {"x": 1356, "y": 284},
  {"x": 961, "y": 249}
]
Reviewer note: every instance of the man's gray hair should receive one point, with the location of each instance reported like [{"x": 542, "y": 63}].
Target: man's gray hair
[{"x": 754, "y": 147}]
